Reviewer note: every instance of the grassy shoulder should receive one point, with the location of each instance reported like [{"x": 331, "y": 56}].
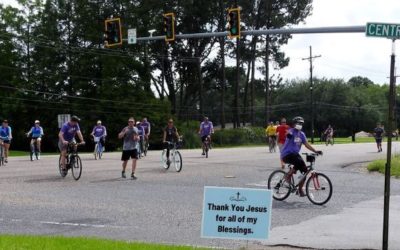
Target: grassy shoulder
[
  {"x": 18, "y": 242},
  {"x": 379, "y": 166}
]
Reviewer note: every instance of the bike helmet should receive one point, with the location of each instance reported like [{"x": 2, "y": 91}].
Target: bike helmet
[
  {"x": 74, "y": 118},
  {"x": 37, "y": 121},
  {"x": 298, "y": 119}
]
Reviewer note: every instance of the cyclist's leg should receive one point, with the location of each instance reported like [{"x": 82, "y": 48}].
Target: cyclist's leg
[
  {"x": 38, "y": 144},
  {"x": 300, "y": 165},
  {"x": 203, "y": 139},
  {"x": 63, "y": 154},
  {"x": 6, "y": 150},
  {"x": 134, "y": 156}
]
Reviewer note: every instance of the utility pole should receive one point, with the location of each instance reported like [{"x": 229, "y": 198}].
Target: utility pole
[
  {"x": 310, "y": 58},
  {"x": 391, "y": 116},
  {"x": 201, "y": 87},
  {"x": 237, "y": 118}
]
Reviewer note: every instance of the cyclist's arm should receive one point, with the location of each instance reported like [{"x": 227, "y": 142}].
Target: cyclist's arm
[
  {"x": 105, "y": 132},
  {"x": 29, "y": 133},
  {"x": 10, "y": 136},
  {"x": 80, "y": 136},
  {"x": 149, "y": 129},
  {"x": 311, "y": 147},
  {"x": 122, "y": 133},
  {"x": 61, "y": 136},
  {"x": 212, "y": 129},
  {"x": 177, "y": 134},
  {"x": 41, "y": 132},
  {"x": 164, "y": 136}
]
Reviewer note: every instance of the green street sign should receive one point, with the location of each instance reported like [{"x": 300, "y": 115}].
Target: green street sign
[{"x": 386, "y": 30}]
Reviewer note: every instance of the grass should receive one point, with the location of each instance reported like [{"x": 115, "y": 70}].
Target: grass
[
  {"x": 379, "y": 166},
  {"x": 20, "y": 242},
  {"x": 343, "y": 140}
]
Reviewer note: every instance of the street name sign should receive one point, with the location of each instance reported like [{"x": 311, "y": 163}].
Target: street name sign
[
  {"x": 236, "y": 213},
  {"x": 386, "y": 30}
]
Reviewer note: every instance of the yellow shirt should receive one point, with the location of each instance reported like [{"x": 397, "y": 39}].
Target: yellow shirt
[{"x": 271, "y": 130}]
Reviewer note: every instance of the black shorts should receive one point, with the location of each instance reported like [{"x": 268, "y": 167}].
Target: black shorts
[
  {"x": 203, "y": 138},
  {"x": 297, "y": 161},
  {"x": 378, "y": 140},
  {"x": 129, "y": 154},
  {"x": 7, "y": 142}
]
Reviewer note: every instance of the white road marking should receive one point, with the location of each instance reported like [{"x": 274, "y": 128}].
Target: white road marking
[{"x": 259, "y": 184}]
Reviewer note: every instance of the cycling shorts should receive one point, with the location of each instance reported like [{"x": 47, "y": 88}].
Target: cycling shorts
[
  {"x": 204, "y": 137},
  {"x": 297, "y": 161}
]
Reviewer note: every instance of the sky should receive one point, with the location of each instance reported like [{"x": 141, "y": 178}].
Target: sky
[{"x": 342, "y": 55}]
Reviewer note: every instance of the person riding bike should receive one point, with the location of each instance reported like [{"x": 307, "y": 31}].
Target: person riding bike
[
  {"x": 99, "y": 133},
  {"x": 328, "y": 135},
  {"x": 36, "y": 132},
  {"x": 171, "y": 135},
  {"x": 141, "y": 134},
  {"x": 5, "y": 138},
  {"x": 206, "y": 129},
  {"x": 67, "y": 135},
  {"x": 295, "y": 138},
  {"x": 270, "y": 133},
  {"x": 147, "y": 128}
]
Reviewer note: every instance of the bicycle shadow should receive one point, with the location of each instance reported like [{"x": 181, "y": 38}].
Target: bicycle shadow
[
  {"x": 44, "y": 180},
  {"x": 291, "y": 205}
]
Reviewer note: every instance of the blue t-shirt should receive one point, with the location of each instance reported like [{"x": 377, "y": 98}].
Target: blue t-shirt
[
  {"x": 294, "y": 140},
  {"x": 69, "y": 131},
  {"x": 5, "y": 133},
  {"x": 141, "y": 130},
  {"x": 99, "y": 131},
  {"x": 206, "y": 128},
  {"x": 146, "y": 126},
  {"x": 36, "y": 132}
]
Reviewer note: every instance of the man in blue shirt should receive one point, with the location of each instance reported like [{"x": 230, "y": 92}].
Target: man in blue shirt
[
  {"x": 66, "y": 136},
  {"x": 290, "y": 153},
  {"x": 36, "y": 132},
  {"x": 5, "y": 138}
]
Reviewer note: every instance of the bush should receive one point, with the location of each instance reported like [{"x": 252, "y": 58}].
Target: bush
[{"x": 240, "y": 136}]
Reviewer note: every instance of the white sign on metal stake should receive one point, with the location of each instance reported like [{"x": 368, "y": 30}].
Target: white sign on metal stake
[{"x": 131, "y": 36}]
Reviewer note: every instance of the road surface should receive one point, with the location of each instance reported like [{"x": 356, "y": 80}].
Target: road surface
[{"x": 165, "y": 206}]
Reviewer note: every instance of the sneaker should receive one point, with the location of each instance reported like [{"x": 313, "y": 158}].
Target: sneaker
[
  {"x": 64, "y": 172},
  {"x": 38, "y": 156},
  {"x": 168, "y": 162},
  {"x": 300, "y": 193},
  {"x": 133, "y": 176},
  {"x": 203, "y": 153},
  {"x": 6, "y": 160},
  {"x": 123, "y": 175}
]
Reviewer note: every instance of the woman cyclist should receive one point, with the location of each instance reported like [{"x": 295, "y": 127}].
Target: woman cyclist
[{"x": 295, "y": 138}]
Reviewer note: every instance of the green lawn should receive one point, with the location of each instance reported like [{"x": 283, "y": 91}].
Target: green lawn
[
  {"x": 379, "y": 165},
  {"x": 342, "y": 140},
  {"x": 68, "y": 243}
]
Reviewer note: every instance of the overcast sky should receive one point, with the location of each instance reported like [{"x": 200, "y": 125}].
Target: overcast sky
[{"x": 343, "y": 55}]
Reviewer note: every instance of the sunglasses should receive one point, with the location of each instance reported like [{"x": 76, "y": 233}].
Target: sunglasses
[{"x": 131, "y": 121}]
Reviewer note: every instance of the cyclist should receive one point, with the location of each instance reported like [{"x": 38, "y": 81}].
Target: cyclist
[
  {"x": 5, "y": 138},
  {"x": 206, "y": 129},
  {"x": 37, "y": 133},
  {"x": 67, "y": 135},
  {"x": 378, "y": 134},
  {"x": 281, "y": 132},
  {"x": 170, "y": 135},
  {"x": 99, "y": 133},
  {"x": 328, "y": 135},
  {"x": 147, "y": 127},
  {"x": 270, "y": 132},
  {"x": 295, "y": 138},
  {"x": 141, "y": 133},
  {"x": 129, "y": 151}
]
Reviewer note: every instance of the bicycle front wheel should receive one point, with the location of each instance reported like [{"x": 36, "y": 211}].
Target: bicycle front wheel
[
  {"x": 319, "y": 189},
  {"x": 164, "y": 159},
  {"x": 278, "y": 185},
  {"x": 76, "y": 168},
  {"x": 177, "y": 161},
  {"x": 63, "y": 173}
]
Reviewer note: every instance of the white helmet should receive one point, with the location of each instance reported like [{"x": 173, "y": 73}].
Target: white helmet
[{"x": 37, "y": 121}]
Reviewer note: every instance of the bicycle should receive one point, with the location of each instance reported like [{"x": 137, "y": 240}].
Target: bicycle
[
  {"x": 1, "y": 153},
  {"x": 318, "y": 185},
  {"x": 98, "y": 148},
  {"x": 174, "y": 154},
  {"x": 72, "y": 161},
  {"x": 206, "y": 145},
  {"x": 145, "y": 145},
  {"x": 272, "y": 144},
  {"x": 34, "y": 149}
]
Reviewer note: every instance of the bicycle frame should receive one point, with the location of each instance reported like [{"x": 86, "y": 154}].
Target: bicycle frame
[{"x": 310, "y": 169}]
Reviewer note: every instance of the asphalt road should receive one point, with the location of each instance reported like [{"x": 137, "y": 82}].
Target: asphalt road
[{"x": 165, "y": 206}]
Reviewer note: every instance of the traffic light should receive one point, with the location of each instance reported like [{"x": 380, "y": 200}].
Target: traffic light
[
  {"x": 234, "y": 23},
  {"x": 169, "y": 27},
  {"x": 113, "y": 32}
]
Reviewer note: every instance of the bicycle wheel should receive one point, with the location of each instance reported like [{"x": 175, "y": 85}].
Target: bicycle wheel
[
  {"x": 76, "y": 167},
  {"x": 319, "y": 189},
  {"x": 279, "y": 186},
  {"x": 62, "y": 172},
  {"x": 164, "y": 159},
  {"x": 206, "y": 149},
  {"x": 146, "y": 147},
  {"x": 96, "y": 146},
  {"x": 99, "y": 151},
  {"x": 177, "y": 159}
]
